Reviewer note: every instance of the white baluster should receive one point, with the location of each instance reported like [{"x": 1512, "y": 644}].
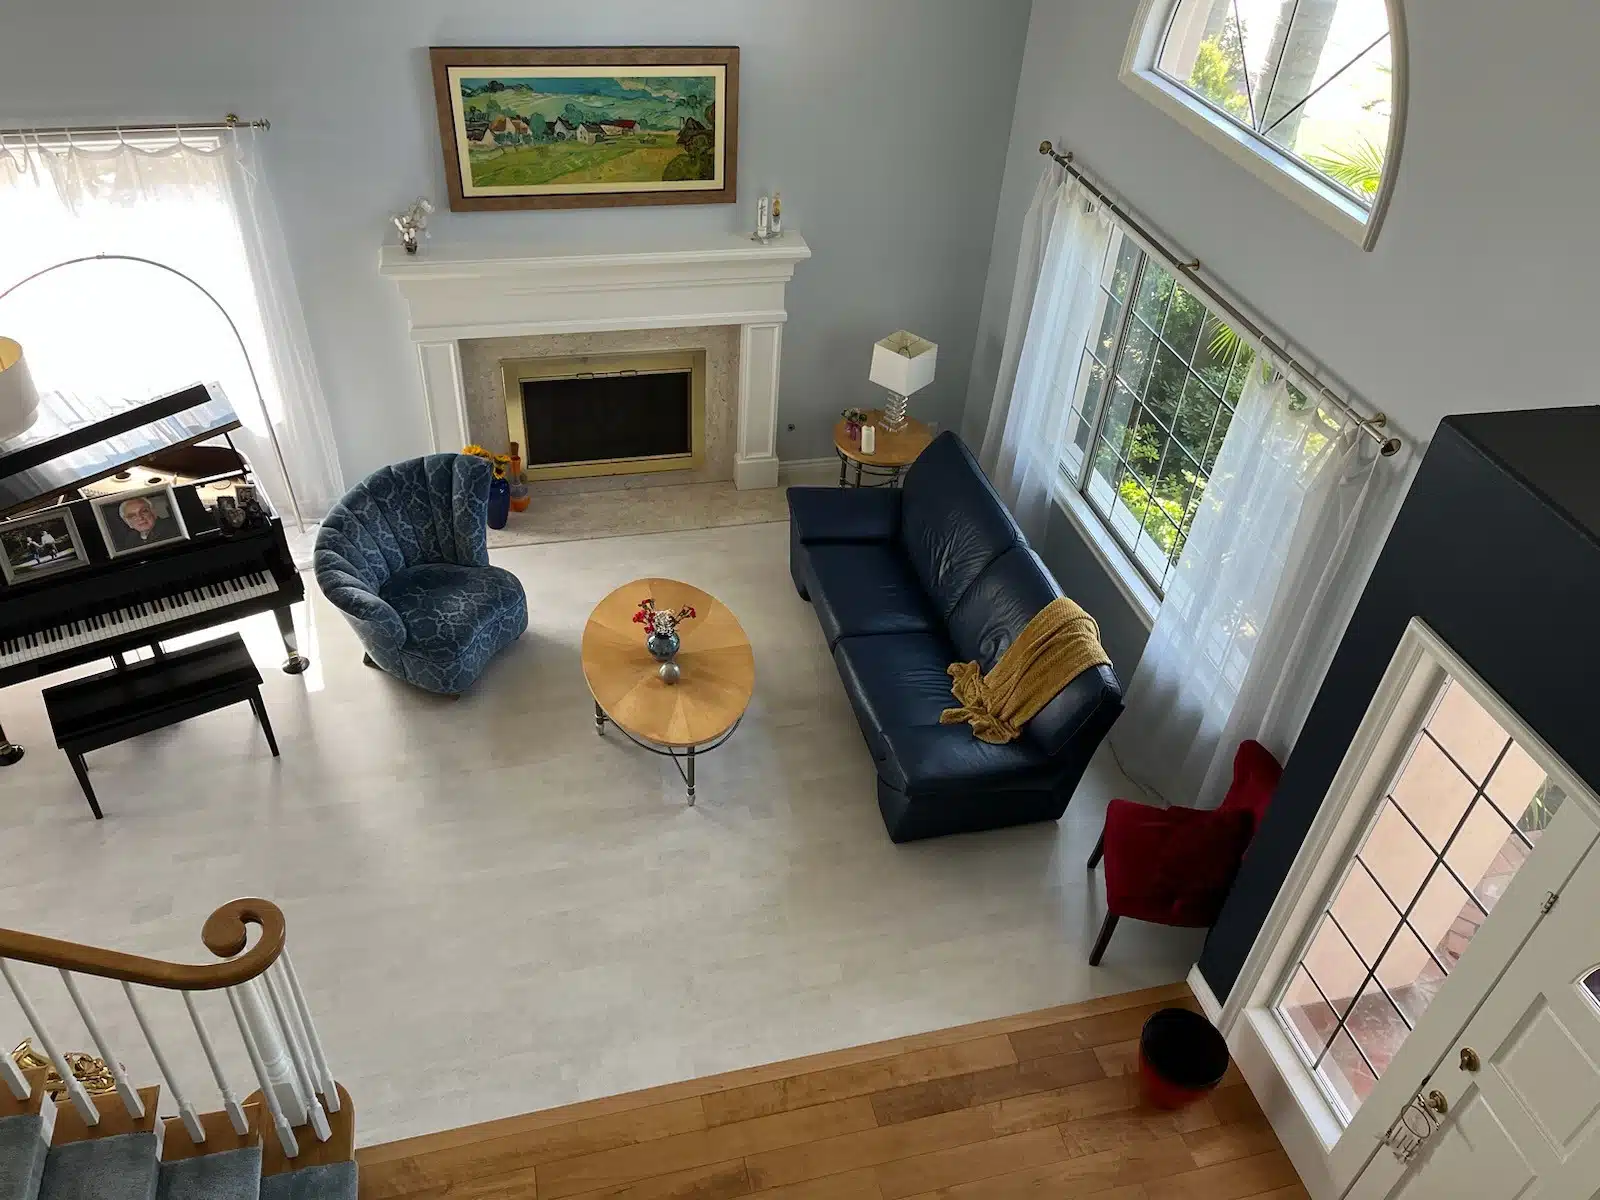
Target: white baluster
[
  {"x": 125, "y": 1088},
  {"x": 297, "y": 1055},
  {"x": 330, "y": 1087},
  {"x": 286, "y": 1138},
  {"x": 191, "y": 1119},
  {"x": 230, "y": 1098},
  {"x": 15, "y": 1079},
  {"x": 75, "y": 1090},
  {"x": 274, "y": 1054}
]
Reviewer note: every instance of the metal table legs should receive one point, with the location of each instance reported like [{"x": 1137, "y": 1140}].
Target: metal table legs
[{"x": 682, "y": 759}]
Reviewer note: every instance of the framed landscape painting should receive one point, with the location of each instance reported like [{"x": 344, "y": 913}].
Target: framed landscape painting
[{"x": 586, "y": 128}]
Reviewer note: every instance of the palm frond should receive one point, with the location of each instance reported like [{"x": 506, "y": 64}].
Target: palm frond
[{"x": 1358, "y": 167}]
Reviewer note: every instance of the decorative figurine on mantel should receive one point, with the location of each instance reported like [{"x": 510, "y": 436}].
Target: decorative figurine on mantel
[{"x": 413, "y": 223}]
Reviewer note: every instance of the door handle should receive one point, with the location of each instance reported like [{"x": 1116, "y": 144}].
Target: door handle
[
  {"x": 1469, "y": 1059},
  {"x": 1436, "y": 1101}
]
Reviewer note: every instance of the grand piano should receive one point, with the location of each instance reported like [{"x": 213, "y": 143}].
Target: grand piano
[{"x": 102, "y": 607}]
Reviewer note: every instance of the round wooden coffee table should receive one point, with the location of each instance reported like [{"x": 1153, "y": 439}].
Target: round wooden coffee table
[
  {"x": 677, "y": 720},
  {"x": 893, "y": 454}
]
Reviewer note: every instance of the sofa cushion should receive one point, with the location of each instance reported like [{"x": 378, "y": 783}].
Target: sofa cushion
[
  {"x": 896, "y": 679},
  {"x": 933, "y": 760},
  {"x": 865, "y": 588},
  {"x": 996, "y": 608},
  {"x": 447, "y": 609},
  {"x": 833, "y": 514},
  {"x": 952, "y": 524}
]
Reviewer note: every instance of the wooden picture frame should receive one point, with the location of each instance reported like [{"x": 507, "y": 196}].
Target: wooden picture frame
[{"x": 672, "y": 136}]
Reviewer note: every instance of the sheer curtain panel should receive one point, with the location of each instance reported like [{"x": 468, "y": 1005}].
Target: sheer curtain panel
[
  {"x": 127, "y": 331},
  {"x": 1250, "y": 619},
  {"x": 1053, "y": 301}
]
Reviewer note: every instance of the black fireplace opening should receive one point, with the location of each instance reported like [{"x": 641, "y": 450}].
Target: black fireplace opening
[{"x": 599, "y": 417}]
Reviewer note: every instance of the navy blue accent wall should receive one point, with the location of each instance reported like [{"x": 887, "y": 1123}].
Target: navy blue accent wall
[{"x": 1496, "y": 550}]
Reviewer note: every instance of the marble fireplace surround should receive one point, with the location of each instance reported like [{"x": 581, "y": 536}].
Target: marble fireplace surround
[
  {"x": 486, "y": 407},
  {"x": 459, "y": 294}
]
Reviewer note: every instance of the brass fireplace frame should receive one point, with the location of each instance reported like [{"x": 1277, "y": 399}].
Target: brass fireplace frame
[{"x": 514, "y": 372}]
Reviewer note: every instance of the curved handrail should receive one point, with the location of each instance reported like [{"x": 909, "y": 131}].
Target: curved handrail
[{"x": 225, "y": 933}]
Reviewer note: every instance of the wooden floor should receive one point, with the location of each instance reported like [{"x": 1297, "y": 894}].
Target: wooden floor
[{"x": 1041, "y": 1105}]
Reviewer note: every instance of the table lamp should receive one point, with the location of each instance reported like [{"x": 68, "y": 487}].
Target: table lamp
[
  {"x": 19, "y": 399},
  {"x": 903, "y": 363}
]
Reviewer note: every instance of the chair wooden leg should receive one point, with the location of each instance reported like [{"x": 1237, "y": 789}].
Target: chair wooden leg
[
  {"x": 1106, "y": 930},
  {"x": 1099, "y": 851}
]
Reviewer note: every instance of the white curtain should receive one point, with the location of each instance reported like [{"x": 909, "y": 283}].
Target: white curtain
[
  {"x": 1053, "y": 301},
  {"x": 118, "y": 331},
  {"x": 1251, "y": 616}
]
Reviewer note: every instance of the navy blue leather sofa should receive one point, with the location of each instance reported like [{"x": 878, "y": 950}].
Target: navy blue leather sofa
[{"x": 906, "y": 581}]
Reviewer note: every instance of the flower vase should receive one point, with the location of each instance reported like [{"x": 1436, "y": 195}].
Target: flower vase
[
  {"x": 499, "y": 503},
  {"x": 663, "y": 647}
]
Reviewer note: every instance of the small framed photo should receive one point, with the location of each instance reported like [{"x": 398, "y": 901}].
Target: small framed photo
[
  {"x": 136, "y": 522},
  {"x": 40, "y": 544}
]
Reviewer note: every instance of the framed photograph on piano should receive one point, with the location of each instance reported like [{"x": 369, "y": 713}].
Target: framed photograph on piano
[
  {"x": 139, "y": 521},
  {"x": 39, "y": 544}
]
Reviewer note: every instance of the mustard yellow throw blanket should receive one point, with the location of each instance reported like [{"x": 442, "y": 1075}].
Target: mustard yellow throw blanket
[{"x": 1059, "y": 644}]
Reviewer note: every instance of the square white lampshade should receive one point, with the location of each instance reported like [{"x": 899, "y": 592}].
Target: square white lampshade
[
  {"x": 903, "y": 363},
  {"x": 19, "y": 399}
]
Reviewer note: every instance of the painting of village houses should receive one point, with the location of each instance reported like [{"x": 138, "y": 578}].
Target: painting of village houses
[{"x": 530, "y": 134}]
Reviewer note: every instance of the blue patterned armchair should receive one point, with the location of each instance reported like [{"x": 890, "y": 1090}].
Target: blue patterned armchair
[{"x": 405, "y": 558}]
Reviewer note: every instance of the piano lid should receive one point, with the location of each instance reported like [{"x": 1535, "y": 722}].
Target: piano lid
[{"x": 76, "y": 441}]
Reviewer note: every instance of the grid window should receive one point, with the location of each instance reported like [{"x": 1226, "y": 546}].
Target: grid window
[
  {"x": 1460, "y": 818},
  {"x": 1312, "y": 78},
  {"x": 1156, "y": 388}
]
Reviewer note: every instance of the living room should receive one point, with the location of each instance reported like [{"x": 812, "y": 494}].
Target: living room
[{"x": 870, "y": 366}]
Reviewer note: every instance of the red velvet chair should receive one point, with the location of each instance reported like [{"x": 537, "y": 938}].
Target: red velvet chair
[{"x": 1174, "y": 866}]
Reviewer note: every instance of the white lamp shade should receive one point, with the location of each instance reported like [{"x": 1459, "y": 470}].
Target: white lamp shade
[
  {"x": 903, "y": 363},
  {"x": 19, "y": 399}
]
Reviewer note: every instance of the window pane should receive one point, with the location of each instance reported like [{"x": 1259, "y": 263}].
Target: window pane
[
  {"x": 1347, "y": 1072},
  {"x": 1308, "y": 1013},
  {"x": 1433, "y": 792},
  {"x": 1143, "y": 446},
  {"x": 1473, "y": 738},
  {"x": 1314, "y": 77},
  {"x": 1486, "y": 853},
  {"x": 1522, "y": 792},
  {"x": 1110, "y": 322},
  {"x": 1155, "y": 289},
  {"x": 1214, "y": 353},
  {"x": 1365, "y": 915},
  {"x": 1197, "y": 417},
  {"x": 1591, "y": 984},
  {"x": 1166, "y": 386},
  {"x": 1396, "y": 855},
  {"x": 1123, "y": 267},
  {"x": 1137, "y": 356},
  {"x": 1377, "y": 1027},
  {"x": 1410, "y": 974},
  {"x": 1334, "y": 965},
  {"x": 1446, "y": 918},
  {"x": 1185, "y": 318}
]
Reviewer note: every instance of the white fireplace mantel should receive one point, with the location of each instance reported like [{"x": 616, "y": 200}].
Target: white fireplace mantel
[{"x": 457, "y": 292}]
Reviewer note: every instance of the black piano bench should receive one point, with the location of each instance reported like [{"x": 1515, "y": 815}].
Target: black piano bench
[{"x": 101, "y": 710}]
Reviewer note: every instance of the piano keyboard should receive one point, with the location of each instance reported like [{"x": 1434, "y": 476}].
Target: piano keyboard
[{"x": 151, "y": 614}]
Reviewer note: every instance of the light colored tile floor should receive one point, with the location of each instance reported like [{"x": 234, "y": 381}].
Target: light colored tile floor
[
  {"x": 494, "y": 911},
  {"x": 572, "y": 516}
]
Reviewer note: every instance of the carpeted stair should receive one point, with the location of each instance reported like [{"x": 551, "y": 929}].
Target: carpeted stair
[{"x": 127, "y": 1166}]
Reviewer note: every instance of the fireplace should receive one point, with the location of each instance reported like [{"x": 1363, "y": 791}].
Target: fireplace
[{"x": 611, "y": 414}]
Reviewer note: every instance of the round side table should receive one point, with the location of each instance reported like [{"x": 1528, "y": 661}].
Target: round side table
[{"x": 895, "y": 452}]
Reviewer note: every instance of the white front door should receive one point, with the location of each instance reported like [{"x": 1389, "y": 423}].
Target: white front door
[{"x": 1520, "y": 1085}]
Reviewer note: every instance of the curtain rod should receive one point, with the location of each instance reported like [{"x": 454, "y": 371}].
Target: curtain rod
[
  {"x": 230, "y": 122},
  {"x": 1189, "y": 268}
]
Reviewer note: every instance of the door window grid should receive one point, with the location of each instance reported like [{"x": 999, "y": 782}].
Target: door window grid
[
  {"x": 1348, "y": 1041},
  {"x": 1156, "y": 387}
]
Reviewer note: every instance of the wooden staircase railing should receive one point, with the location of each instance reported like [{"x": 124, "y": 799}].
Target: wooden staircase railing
[{"x": 263, "y": 991}]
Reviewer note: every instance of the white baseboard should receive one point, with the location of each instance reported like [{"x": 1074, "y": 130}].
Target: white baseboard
[
  {"x": 1203, "y": 993},
  {"x": 757, "y": 471},
  {"x": 812, "y": 471}
]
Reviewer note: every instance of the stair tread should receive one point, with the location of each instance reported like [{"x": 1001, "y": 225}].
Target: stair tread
[
  {"x": 229, "y": 1175},
  {"x": 23, "y": 1147},
  {"x": 121, "y": 1167},
  {"x": 331, "y": 1181}
]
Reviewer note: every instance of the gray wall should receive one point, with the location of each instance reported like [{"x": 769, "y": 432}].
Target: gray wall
[
  {"x": 1078, "y": 570},
  {"x": 881, "y": 122},
  {"x": 1478, "y": 294}
]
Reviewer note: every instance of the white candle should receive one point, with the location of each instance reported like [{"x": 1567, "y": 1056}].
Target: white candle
[
  {"x": 763, "y": 217},
  {"x": 869, "y": 439}
]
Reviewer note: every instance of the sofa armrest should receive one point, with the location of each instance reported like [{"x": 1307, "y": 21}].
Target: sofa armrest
[
  {"x": 833, "y": 514},
  {"x": 374, "y": 619}
]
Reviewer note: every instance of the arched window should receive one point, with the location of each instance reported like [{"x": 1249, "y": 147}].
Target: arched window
[{"x": 1309, "y": 94}]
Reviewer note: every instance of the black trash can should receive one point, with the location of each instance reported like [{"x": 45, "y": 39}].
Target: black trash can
[{"x": 1181, "y": 1058}]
